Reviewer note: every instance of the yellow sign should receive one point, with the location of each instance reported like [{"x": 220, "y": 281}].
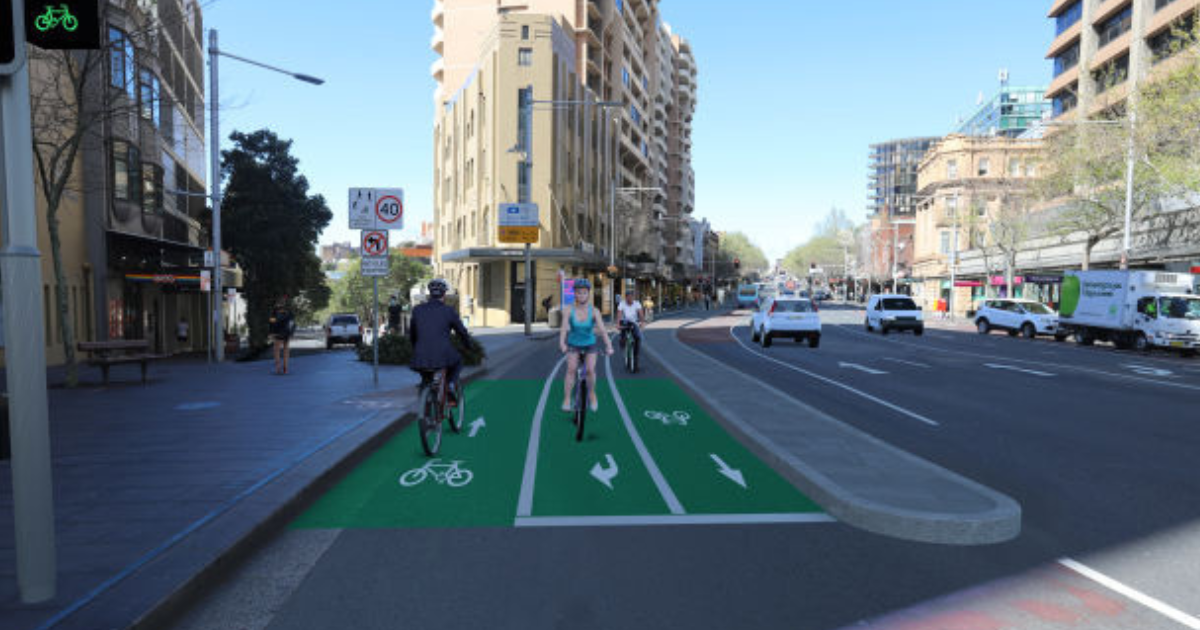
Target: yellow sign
[{"x": 518, "y": 234}]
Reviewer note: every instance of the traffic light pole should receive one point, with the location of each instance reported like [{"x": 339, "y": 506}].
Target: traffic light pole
[{"x": 24, "y": 338}]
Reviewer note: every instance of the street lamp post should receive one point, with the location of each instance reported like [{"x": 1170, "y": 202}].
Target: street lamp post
[{"x": 214, "y": 51}]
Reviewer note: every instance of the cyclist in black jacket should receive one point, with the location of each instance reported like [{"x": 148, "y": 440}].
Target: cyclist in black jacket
[{"x": 429, "y": 332}]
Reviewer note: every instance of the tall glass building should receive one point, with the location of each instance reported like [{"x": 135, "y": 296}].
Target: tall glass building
[
  {"x": 893, "y": 175},
  {"x": 1009, "y": 113}
]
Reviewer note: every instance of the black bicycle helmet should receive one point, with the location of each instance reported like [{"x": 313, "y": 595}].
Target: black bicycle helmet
[
  {"x": 583, "y": 283},
  {"x": 438, "y": 288}
]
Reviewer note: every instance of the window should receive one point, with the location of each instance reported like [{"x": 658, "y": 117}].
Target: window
[
  {"x": 148, "y": 96},
  {"x": 1161, "y": 4},
  {"x": 945, "y": 242},
  {"x": 1064, "y": 102},
  {"x": 625, "y": 76},
  {"x": 120, "y": 61},
  {"x": 1112, "y": 73},
  {"x": 620, "y": 6},
  {"x": 152, "y": 189},
  {"x": 1014, "y": 167},
  {"x": 525, "y": 57},
  {"x": 951, "y": 169},
  {"x": 1067, "y": 60},
  {"x": 524, "y": 31},
  {"x": 984, "y": 166},
  {"x": 1068, "y": 18},
  {"x": 1171, "y": 40},
  {"x": 126, "y": 167},
  {"x": 1115, "y": 26}
]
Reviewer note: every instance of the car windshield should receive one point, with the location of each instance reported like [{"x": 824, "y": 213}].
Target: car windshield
[
  {"x": 345, "y": 320},
  {"x": 747, "y": 291},
  {"x": 899, "y": 304},
  {"x": 1180, "y": 307},
  {"x": 793, "y": 306},
  {"x": 1037, "y": 308}
]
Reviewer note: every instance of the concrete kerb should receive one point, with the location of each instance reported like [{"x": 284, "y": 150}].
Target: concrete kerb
[
  {"x": 1000, "y": 523},
  {"x": 309, "y": 480}
]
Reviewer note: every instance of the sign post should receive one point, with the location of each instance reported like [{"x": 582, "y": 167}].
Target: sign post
[
  {"x": 518, "y": 223},
  {"x": 374, "y": 260}
]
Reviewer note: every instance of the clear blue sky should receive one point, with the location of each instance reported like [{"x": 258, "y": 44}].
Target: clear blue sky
[{"x": 791, "y": 94}]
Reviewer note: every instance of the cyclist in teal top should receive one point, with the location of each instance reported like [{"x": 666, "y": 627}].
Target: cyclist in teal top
[{"x": 580, "y": 332}]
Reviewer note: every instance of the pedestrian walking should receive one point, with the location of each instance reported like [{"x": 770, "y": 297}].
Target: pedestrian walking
[
  {"x": 282, "y": 326},
  {"x": 393, "y": 315},
  {"x": 181, "y": 332}
]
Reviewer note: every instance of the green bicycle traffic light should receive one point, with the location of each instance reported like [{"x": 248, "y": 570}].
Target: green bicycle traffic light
[{"x": 62, "y": 24}]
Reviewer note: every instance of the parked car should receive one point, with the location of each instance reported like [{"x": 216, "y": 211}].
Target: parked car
[
  {"x": 796, "y": 318},
  {"x": 1025, "y": 317},
  {"x": 343, "y": 328},
  {"x": 890, "y": 311}
]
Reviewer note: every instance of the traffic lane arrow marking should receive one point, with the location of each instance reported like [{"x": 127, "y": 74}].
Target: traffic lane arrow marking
[
  {"x": 860, "y": 368},
  {"x": 605, "y": 475},
  {"x": 733, "y": 474},
  {"x": 476, "y": 426},
  {"x": 1001, "y": 366},
  {"x": 1146, "y": 370}
]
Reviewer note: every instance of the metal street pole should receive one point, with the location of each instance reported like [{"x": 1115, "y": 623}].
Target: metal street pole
[
  {"x": 953, "y": 261},
  {"x": 1128, "y": 191},
  {"x": 24, "y": 339},
  {"x": 523, "y": 194},
  {"x": 375, "y": 329}
]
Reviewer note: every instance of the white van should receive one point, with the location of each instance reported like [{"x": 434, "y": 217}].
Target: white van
[{"x": 891, "y": 311}]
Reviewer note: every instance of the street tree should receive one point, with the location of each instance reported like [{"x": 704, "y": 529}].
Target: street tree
[
  {"x": 270, "y": 225},
  {"x": 1168, "y": 113},
  {"x": 71, "y": 105},
  {"x": 738, "y": 245},
  {"x": 353, "y": 293}
]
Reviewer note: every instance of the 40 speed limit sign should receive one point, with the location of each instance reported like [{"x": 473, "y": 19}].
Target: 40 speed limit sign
[{"x": 376, "y": 208}]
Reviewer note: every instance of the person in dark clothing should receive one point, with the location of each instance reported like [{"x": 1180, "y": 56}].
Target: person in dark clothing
[
  {"x": 429, "y": 332},
  {"x": 282, "y": 325},
  {"x": 393, "y": 312}
]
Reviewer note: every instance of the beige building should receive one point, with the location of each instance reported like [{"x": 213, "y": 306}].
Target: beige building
[
  {"x": 962, "y": 184},
  {"x": 1103, "y": 48},
  {"x": 612, "y": 92}
]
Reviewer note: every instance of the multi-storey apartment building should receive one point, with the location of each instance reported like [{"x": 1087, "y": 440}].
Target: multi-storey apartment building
[
  {"x": 1103, "y": 49},
  {"x": 962, "y": 184},
  {"x": 610, "y": 157},
  {"x": 893, "y": 205},
  {"x": 131, "y": 221}
]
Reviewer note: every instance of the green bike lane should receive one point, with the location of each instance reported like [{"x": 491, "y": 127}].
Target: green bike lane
[{"x": 650, "y": 455}]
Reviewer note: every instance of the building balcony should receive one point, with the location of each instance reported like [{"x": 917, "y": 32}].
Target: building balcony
[
  {"x": 593, "y": 10},
  {"x": 1169, "y": 14},
  {"x": 1062, "y": 82},
  {"x": 1107, "y": 9},
  {"x": 438, "y": 41},
  {"x": 1065, "y": 40},
  {"x": 1110, "y": 51},
  {"x": 438, "y": 68},
  {"x": 438, "y": 14}
]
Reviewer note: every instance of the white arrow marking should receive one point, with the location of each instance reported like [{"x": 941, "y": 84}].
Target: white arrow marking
[
  {"x": 735, "y": 475},
  {"x": 998, "y": 366},
  {"x": 605, "y": 475},
  {"x": 1146, "y": 370},
  {"x": 912, "y": 363},
  {"x": 476, "y": 426},
  {"x": 860, "y": 368}
]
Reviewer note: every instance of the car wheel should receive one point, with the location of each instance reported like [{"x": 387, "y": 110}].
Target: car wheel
[
  {"x": 753, "y": 334},
  {"x": 1141, "y": 343},
  {"x": 814, "y": 341},
  {"x": 919, "y": 331},
  {"x": 329, "y": 344},
  {"x": 1028, "y": 331},
  {"x": 883, "y": 329},
  {"x": 867, "y": 324},
  {"x": 766, "y": 340},
  {"x": 1059, "y": 337},
  {"x": 983, "y": 326},
  {"x": 1084, "y": 339}
]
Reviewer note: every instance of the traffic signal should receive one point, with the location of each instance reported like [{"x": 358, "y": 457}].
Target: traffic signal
[
  {"x": 11, "y": 47},
  {"x": 62, "y": 24}
]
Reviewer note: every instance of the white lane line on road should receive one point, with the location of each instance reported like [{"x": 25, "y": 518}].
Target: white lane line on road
[
  {"x": 525, "y": 502},
  {"x": 852, "y": 330},
  {"x": 1128, "y": 591},
  {"x": 860, "y": 368},
  {"x": 912, "y": 363},
  {"x": 1013, "y": 368},
  {"x": 660, "y": 482},
  {"x": 682, "y": 519},
  {"x": 830, "y": 381}
]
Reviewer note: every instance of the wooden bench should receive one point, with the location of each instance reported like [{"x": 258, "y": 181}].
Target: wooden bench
[{"x": 106, "y": 354}]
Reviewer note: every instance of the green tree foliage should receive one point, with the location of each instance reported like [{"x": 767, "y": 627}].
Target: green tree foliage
[
  {"x": 353, "y": 293},
  {"x": 1168, "y": 114},
  {"x": 270, "y": 224},
  {"x": 833, "y": 236},
  {"x": 738, "y": 245}
]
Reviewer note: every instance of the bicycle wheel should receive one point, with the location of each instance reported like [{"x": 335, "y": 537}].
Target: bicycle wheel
[
  {"x": 459, "y": 478},
  {"x": 413, "y": 477},
  {"x": 630, "y": 366},
  {"x": 581, "y": 404},
  {"x": 430, "y": 422},
  {"x": 454, "y": 415}
]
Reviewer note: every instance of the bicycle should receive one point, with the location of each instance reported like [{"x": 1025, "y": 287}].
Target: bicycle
[
  {"x": 628, "y": 341},
  {"x": 581, "y": 393},
  {"x": 53, "y": 17},
  {"x": 434, "y": 410}
]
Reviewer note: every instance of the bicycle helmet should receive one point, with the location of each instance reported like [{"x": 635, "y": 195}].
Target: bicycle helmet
[
  {"x": 583, "y": 283},
  {"x": 438, "y": 288}
]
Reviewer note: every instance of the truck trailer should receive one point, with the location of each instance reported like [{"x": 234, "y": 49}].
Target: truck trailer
[{"x": 1131, "y": 309}]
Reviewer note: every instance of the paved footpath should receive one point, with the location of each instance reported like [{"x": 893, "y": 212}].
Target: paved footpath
[{"x": 155, "y": 484}]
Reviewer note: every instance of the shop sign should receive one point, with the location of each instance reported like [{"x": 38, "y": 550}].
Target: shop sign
[{"x": 1038, "y": 278}]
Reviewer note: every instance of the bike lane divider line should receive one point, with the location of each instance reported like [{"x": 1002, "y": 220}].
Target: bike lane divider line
[
  {"x": 656, "y": 475},
  {"x": 601, "y": 476},
  {"x": 473, "y": 482},
  {"x": 857, "y": 392},
  {"x": 528, "y": 478},
  {"x": 713, "y": 474}
]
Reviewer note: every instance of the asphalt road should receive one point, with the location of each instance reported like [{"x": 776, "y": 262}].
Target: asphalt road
[{"x": 1097, "y": 446}]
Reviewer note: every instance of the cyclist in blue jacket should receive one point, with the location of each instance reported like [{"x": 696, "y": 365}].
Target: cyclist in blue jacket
[{"x": 581, "y": 330}]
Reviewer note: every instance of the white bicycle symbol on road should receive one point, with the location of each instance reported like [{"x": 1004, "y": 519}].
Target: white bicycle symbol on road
[
  {"x": 674, "y": 417},
  {"x": 449, "y": 474}
]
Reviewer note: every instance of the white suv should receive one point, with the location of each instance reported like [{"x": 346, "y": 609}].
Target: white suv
[
  {"x": 786, "y": 317},
  {"x": 1027, "y": 317},
  {"x": 343, "y": 328},
  {"x": 891, "y": 311}
]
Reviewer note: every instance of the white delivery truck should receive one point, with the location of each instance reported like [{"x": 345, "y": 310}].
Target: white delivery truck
[{"x": 1132, "y": 309}]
